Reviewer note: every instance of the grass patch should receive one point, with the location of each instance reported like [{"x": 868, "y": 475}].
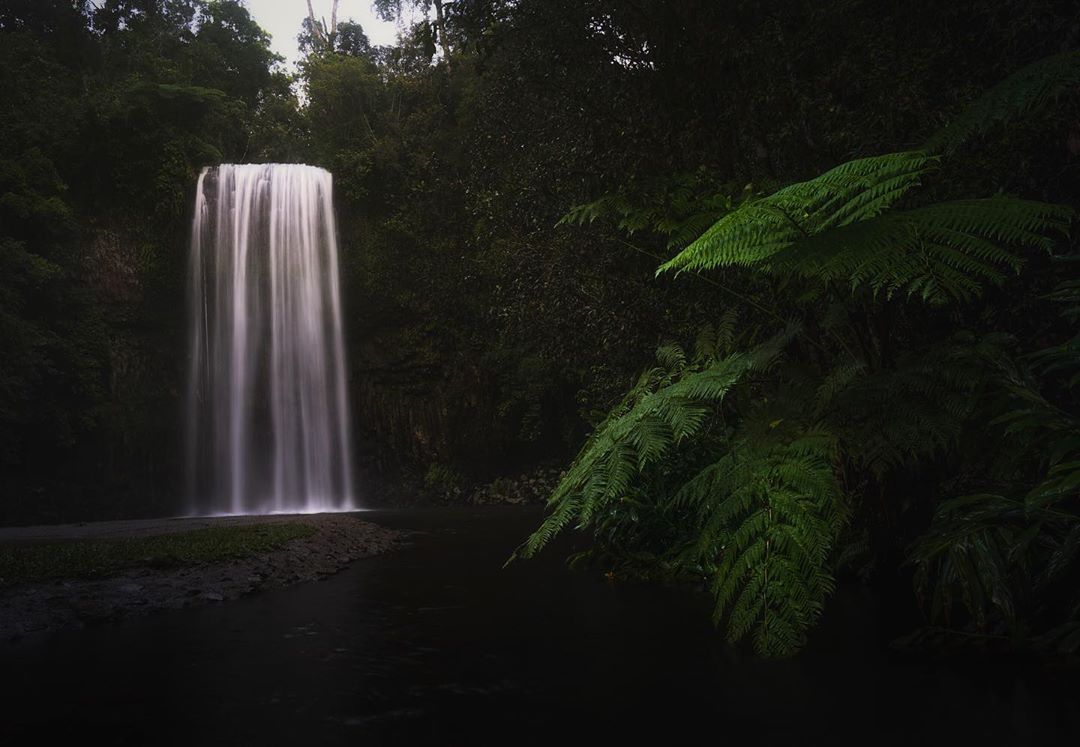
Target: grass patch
[{"x": 98, "y": 558}]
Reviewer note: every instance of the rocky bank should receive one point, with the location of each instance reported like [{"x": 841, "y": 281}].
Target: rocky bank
[{"x": 337, "y": 541}]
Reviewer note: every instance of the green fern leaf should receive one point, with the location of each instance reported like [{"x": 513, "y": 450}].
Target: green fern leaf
[{"x": 1023, "y": 92}]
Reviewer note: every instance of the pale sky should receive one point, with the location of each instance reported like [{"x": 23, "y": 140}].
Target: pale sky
[{"x": 282, "y": 18}]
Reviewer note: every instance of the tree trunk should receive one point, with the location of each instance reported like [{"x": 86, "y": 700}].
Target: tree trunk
[
  {"x": 440, "y": 25},
  {"x": 324, "y": 35}
]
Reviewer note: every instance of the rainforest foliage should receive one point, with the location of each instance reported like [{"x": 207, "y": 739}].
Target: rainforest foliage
[{"x": 846, "y": 229}]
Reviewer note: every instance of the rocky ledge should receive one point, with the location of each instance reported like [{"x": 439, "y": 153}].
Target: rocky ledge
[{"x": 337, "y": 541}]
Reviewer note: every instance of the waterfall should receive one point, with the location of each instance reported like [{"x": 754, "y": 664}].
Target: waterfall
[{"x": 267, "y": 425}]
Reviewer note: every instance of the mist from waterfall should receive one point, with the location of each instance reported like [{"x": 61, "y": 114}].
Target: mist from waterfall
[{"x": 268, "y": 424}]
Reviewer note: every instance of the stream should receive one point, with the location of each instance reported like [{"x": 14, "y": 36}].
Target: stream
[{"x": 436, "y": 643}]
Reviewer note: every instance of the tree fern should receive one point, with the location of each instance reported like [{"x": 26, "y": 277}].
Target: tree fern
[
  {"x": 840, "y": 228},
  {"x": 770, "y": 511},
  {"x": 913, "y": 411},
  {"x": 717, "y": 469},
  {"x": 669, "y": 404},
  {"x": 768, "y": 508},
  {"x": 679, "y": 208},
  {"x": 1023, "y": 92},
  {"x": 759, "y": 228},
  {"x": 972, "y": 557},
  {"x": 994, "y": 554}
]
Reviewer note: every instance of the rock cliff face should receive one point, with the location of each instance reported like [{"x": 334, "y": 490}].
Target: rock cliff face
[
  {"x": 446, "y": 421},
  {"x": 447, "y": 436},
  {"x": 111, "y": 267}
]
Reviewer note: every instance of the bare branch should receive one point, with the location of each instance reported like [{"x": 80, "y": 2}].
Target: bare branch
[{"x": 317, "y": 26}]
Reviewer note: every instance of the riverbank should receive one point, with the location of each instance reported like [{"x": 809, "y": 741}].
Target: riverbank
[{"x": 183, "y": 563}]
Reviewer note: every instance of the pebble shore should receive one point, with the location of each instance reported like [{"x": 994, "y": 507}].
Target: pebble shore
[{"x": 337, "y": 541}]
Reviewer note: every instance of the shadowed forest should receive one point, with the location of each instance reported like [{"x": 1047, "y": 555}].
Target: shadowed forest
[{"x": 760, "y": 297}]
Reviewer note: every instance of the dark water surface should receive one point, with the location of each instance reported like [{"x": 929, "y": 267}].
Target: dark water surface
[{"x": 436, "y": 644}]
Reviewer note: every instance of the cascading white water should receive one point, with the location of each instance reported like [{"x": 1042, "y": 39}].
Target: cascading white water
[{"x": 268, "y": 427}]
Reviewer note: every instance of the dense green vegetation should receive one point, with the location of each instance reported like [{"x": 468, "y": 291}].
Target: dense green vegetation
[
  {"x": 101, "y": 558},
  {"x": 108, "y": 116},
  {"x": 848, "y": 226},
  {"x": 832, "y": 413}
]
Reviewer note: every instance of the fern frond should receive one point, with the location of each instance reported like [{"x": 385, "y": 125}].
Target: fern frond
[
  {"x": 835, "y": 382},
  {"x": 978, "y": 551},
  {"x": 587, "y": 213},
  {"x": 946, "y": 251},
  {"x": 669, "y": 404},
  {"x": 917, "y": 409},
  {"x": 771, "y": 513},
  {"x": 838, "y": 228},
  {"x": 758, "y": 229},
  {"x": 1023, "y": 92},
  {"x": 714, "y": 341},
  {"x": 679, "y": 207}
]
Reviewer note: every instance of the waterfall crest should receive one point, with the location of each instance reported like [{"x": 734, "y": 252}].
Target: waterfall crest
[{"x": 268, "y": 424}]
